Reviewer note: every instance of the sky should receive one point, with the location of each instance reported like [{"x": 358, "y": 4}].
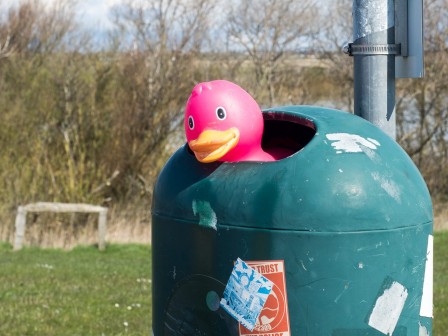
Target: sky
[
  {"x": 95, "y": 12},
  {"x": 91, "y": 14},
  {"x": 95, "y": 15}
]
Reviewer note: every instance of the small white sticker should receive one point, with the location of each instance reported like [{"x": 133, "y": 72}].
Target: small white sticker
[
  {"x": 388, "y": 307},
  {"x": 426, "y": 305},
  {"x": 351, "y": 143}
]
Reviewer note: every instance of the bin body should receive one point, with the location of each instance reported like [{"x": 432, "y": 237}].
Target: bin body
[{"x": 349, "y": 215}]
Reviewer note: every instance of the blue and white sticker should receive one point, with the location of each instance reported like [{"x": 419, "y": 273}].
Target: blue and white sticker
[{"x": 245, "y": 294}]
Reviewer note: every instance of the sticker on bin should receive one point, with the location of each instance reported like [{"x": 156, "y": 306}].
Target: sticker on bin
[
  {"x": 274, "y": 317},
  {"x": 245, "y": 294}
]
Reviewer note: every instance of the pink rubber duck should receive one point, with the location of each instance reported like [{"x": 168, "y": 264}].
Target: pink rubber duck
[{"x": 224, "y": 123}]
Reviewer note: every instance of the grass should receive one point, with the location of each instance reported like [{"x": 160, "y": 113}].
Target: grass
[
  {"x": 440, "y": 325},
  {"x": 80, "y": 292},
  {"x": 87, "y": 292}
]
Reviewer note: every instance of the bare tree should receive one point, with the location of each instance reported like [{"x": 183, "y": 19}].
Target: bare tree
[
  {"x": 32, "y": 36},
  {"x": 34, "y": 28},
  {"x": 161, "y": 41},
  {"x": 336, "y": 23},
  {"x": 266, "y": 30},
  {"x": 5, "y": 50}
]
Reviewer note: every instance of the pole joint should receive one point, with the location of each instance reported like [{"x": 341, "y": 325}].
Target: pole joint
[{"x": 352, "y": 49}]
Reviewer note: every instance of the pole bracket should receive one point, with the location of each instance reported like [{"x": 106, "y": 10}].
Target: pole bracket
[{"x": 352, "y": 49}]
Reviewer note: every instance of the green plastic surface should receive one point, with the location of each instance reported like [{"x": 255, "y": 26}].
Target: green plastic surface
[
  {"x": 368, "y": 190},
  {"x": 347, "y": 213}
]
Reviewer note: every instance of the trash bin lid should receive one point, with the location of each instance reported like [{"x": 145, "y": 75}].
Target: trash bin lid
[{"x": 349, "y": 176}]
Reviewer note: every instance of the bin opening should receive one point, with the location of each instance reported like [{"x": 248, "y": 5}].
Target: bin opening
[{"x": 285, "y": 133}]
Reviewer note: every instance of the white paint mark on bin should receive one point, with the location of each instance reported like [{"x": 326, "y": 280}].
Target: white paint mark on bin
[
  {"x": 426, "y": 305},
  {"x": 422, "y": 331},
  {"x": 207, "y": 217},
  {"x": 351, "y": 143},
  {"x": 374, "y": 141},
  {"x": 388, "y": 307},
  {"x": 389, "y": 186}
]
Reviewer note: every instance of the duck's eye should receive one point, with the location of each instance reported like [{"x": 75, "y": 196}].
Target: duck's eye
[
  {"x": 191, "y": 122},
  {"x": 221, "y": 113}
]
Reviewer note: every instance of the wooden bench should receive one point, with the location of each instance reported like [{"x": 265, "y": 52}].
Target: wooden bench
[{"x": 60, "y": 208}]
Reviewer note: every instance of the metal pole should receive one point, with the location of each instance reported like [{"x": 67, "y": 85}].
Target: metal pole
[{"x": 374, "y": 53}]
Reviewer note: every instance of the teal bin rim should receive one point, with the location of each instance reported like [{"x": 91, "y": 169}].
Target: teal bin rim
[{"x": 319, "y": 189}]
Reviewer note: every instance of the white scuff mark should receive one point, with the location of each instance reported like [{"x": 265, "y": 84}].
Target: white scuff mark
[
  {"x": 351, "y": 143},
  {"x": 374, "y": 141},
  {"x": 245, "y": 247},
  {"x": 207, "y": 217},
  {"x": 426, "y": 305},
  {"x": 174, "y": 273},
  {"x": 342, "y": 293},
  {"x": 303, "y": 265},
  {"x": 387, "y": 309},
  {"x": 416, "y": 268},
  {"x": 422, "y": 331},
  {"x": 414, "y": 299},
  {"x": 389, "y": 186},
  {"x": 371, "y": 154}
]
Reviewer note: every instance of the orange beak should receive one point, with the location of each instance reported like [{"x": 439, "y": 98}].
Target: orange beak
[{"x": 212, "y": 145}]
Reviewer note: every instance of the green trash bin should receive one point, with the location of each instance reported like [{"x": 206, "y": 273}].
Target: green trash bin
[{"x": 344, "y": 225}]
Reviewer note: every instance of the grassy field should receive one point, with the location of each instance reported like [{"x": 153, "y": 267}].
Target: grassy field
[
  {"x": 440, "y": 326},
  {"x": 87, "y": 292},
  {"x": 82, "y": 292}
]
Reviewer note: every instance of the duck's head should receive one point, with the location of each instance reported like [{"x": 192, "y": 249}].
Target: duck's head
[{"x": 223, "y": 123}]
